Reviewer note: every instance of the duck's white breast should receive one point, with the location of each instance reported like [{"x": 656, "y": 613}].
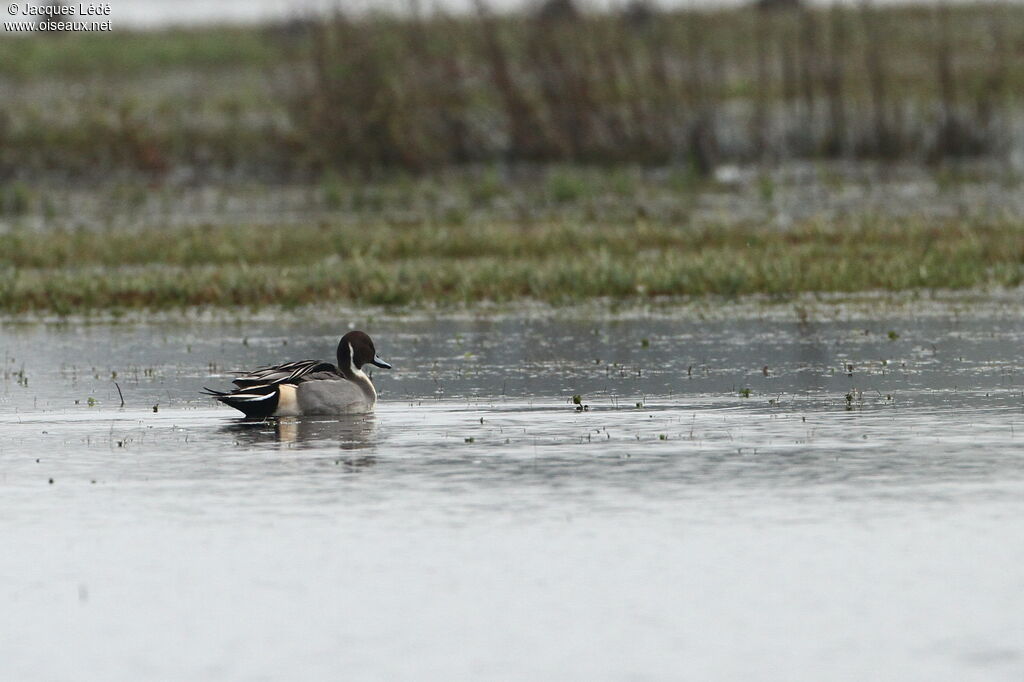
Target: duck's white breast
[{"x": 287, "y": 401}]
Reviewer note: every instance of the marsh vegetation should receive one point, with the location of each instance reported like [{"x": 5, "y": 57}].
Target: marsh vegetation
[
  {"x": 411, "y": 158},
  {"x": 365, "y": 93},
  {"x": 81, "y": 270}
]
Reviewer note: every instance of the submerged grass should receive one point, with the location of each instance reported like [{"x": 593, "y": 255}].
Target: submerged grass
[{"x": 79, "y": 271}]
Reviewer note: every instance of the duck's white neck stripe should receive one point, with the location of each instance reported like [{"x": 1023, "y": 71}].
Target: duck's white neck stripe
[
  {"x": 352, "y": 363},
  {"x": 359, "y": 377}
]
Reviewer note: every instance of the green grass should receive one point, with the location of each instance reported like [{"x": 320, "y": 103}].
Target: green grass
[{"x": 77, "y": 271}]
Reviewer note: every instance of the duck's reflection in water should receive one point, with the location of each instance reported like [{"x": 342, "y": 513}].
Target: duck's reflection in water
[{"x": 350, "y": 432}]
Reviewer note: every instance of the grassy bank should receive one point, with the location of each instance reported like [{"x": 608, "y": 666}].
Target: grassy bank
[
  {"x": 641, "y": 86},
  {"x": 77, "y": 272}
]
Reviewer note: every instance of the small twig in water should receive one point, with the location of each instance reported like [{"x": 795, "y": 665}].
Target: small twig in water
[{"x": 119, "y": 393}]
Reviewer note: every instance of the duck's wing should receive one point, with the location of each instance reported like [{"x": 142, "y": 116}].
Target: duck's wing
[
  {"x": 290, "y": 372},
  {"x": 259, "y": 393}
]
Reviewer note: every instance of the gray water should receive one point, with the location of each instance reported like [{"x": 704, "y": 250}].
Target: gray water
[{"x": 751, "y": 493}]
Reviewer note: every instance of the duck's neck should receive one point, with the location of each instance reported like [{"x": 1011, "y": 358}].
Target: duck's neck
[
  {"x": 347, "y": 366},
  {"x": 359, "y": 378}
]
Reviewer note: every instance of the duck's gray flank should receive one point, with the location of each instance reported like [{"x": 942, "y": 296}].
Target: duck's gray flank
[{"x": 309, "y": 386}]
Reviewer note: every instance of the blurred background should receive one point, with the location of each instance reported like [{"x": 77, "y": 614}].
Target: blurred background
[{"x": 544, "y": 115}]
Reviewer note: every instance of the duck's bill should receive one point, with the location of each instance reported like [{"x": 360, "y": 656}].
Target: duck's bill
[{"x": 380, "y": 363}]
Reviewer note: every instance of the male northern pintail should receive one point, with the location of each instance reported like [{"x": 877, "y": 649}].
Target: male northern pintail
[{"x": 309, "y": 386}]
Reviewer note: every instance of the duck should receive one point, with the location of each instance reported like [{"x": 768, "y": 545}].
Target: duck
[{"x": 309, "y": 387}]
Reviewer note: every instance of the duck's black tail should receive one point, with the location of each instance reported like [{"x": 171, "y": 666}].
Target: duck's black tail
[{"x": 257, "y": 402}]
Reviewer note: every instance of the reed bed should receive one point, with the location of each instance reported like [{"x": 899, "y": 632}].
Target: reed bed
[{"x": 372, "y": 93}]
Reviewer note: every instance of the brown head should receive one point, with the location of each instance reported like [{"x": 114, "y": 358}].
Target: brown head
[{"x": 355, "y": 350}]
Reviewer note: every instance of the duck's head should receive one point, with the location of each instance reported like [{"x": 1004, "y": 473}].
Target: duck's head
[{"x": 355, "y": 350}]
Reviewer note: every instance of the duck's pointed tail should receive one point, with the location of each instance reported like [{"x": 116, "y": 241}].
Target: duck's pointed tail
[{"x": 253, "y": 401}]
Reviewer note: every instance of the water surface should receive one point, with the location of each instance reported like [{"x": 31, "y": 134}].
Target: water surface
[{"x": 751, "y": 493}]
